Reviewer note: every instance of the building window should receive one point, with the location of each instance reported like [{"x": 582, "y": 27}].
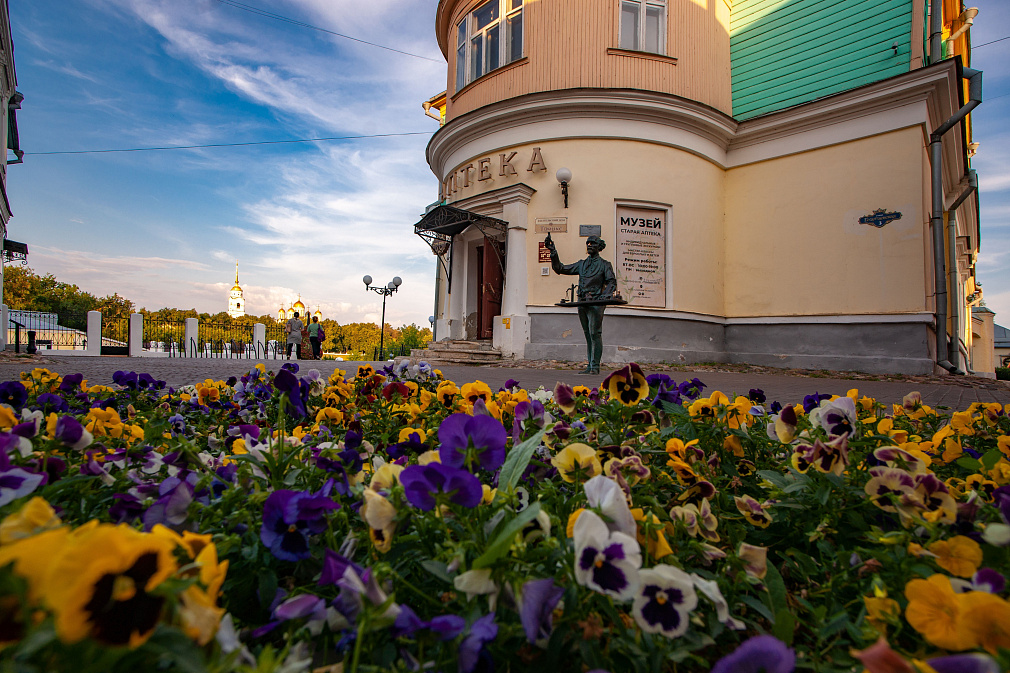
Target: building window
[
  {"x": 643, "y": 25},
  {"x": 487, "y": 38}
]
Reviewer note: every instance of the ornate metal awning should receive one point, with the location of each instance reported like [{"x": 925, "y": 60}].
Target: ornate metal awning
[
  {"x": 443, "y": 223},
  {"x": 14, "y": 251}
]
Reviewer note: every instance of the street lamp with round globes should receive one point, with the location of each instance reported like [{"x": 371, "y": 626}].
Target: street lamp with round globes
[{"x": 385, "y": 290}]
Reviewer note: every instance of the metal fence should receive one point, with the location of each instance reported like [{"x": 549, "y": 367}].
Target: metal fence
[
  {"x": 115, "y": 336},
  {"x": 223, "y": 340},
  {"x": 165, "y": 336},
  {"x": 63, "y": 330}
]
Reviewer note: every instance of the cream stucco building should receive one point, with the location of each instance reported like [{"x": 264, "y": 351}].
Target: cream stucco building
[{"x": 767, "y": 184}]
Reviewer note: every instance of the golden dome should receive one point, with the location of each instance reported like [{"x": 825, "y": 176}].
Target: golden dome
[{"x": 298, "y": 305}]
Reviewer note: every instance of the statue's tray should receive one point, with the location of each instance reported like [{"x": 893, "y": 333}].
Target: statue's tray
[{"x": 593, "y": 302}]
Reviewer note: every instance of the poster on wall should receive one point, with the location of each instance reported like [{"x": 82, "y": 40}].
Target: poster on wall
[{"x": 641, "y": 256}]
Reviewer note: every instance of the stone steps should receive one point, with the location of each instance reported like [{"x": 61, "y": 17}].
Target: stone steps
[{"x": 456, "y": 352}]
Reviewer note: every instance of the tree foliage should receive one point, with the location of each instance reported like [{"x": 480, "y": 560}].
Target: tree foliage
[{"x": 25, "y": 290}]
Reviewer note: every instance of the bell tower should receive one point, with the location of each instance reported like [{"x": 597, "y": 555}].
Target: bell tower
[{"x": 236, "y": 302}]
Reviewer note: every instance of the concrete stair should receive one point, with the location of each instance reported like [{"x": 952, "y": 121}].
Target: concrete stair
[{"x": 456, "y": 352}]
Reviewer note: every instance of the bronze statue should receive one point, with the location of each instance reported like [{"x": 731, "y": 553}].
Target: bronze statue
[{"x": 597, "y": 288}]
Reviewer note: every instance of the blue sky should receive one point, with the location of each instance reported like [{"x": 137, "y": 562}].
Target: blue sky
[{"x": 165, "y": 228}]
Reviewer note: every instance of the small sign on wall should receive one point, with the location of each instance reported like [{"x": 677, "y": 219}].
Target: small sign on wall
[
  {"x": 590, "y": 230},
  {"x": 543, "y": 254},
  {"x": 546, "y": 225},
  {"x": 880, "y": 218}
]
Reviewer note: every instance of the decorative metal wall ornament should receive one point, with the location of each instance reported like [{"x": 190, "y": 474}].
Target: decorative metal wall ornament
[
  {"x": 879, "y": 218},
  {"x": 15, "y": 252}
]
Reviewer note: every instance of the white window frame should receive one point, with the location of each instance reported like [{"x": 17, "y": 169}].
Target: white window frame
[
  {"x": 466, "y": 33},
  {"x": 643, "y": 8}
]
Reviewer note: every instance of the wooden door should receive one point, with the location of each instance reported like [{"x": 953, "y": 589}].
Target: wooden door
[{"x": 492, "y": 285}]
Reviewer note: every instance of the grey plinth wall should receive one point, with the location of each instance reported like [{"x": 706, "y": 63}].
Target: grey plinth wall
[{"x": 875, "y": 348}]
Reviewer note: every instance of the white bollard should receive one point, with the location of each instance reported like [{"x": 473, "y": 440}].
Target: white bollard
[
  {"x": 136, "y": 335},
  {"x": 192, "y": 333},
  {"x": 94, "y": 333}
]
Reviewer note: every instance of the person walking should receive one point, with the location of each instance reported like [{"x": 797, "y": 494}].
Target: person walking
[
  {"x": 315, "y": 338},
  {"x": 293, "y": 328}
]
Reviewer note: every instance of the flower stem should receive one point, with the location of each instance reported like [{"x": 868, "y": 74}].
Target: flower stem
[{"x": 357, "y": 647}]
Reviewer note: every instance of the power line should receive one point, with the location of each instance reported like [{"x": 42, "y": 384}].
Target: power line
[
  {"x": 976, "y": 46},
  {"x": 261, "y": 142},
  {"x": 294, "y": 22}
]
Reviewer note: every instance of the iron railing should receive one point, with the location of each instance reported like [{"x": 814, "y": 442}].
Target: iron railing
[
  {"x": 221, "y": 340},
  {"x": 165, "y": 336},
  {"x": 56, "y": 330}
]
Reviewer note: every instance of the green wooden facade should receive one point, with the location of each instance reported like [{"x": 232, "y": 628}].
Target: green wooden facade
[{"x": 788, "y": 52}]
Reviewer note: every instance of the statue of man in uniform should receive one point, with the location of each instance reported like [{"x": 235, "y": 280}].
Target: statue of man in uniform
[{"x": 596, "y": 282}]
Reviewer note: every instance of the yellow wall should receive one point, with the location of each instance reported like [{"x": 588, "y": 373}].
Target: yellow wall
[
  {"x": 793, "y": 242},
  {"x": 983, "y": 356},
  {"x": 608, "y": 170}
]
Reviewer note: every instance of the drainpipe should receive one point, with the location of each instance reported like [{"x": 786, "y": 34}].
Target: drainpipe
[
  {"x": 974, "y": 78},
  {"x": 935, "y": 30},
  {"x": 955, "y": 304}
]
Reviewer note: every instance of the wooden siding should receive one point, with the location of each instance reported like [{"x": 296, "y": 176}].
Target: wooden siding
[
  {"x": 566, "y": 47},
  {"x": 787, "y": 52}
]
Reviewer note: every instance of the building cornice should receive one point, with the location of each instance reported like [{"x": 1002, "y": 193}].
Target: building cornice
[
  {"x": 924, "y": 97},
  {"x": 494, "y": 201},
  {"x": 707, "y": 124}
]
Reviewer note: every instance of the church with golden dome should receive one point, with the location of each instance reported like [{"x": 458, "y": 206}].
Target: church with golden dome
[
  {"x": 288, "y": 313},
  {"x": 236, "y": 300}
]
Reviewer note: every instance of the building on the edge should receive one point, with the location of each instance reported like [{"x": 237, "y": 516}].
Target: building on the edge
[
  {"x": 289, "y": 312},
  {"x": 761, "y": 171},
  {"x": 236, "y": 300},
  {"x": 1001, "y": 346},
  {"x": 10, "y": 102}
]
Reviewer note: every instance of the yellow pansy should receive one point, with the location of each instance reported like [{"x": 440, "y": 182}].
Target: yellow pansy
[
  {"x": 959, "y": 555},
  {"x": 935, "y": 611},
  {"x": 577, "y": 461},
  {"x": 35, "y": 516},
  {"x": 650, "y": 533}
]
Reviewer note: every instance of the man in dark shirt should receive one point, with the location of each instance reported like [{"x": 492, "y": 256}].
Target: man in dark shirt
[{"x": 596, "y": 281}]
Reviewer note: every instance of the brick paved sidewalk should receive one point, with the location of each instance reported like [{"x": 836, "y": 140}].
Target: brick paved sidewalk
[{"x": 791, "y": 386}]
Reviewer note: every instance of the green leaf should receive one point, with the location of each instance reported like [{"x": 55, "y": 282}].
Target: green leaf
[
  {"x": 968, "y": 463},
  {"x": 776, "y": 590},
  {"x": 991, "y": 458},
  {"x": 759, "y": 606},
  {"x": 776, "y": 478},
  {"x": 675, "y": 410},
  {"x": 785, "y": 624},
  {"x": 438, "y": 569},
  {"x": 515, "y": 463},
  {"x": 500, "y": 545},
  {"x": 267, "y": 585}
]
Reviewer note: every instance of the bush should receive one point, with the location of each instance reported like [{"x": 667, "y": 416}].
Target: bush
[{"x": 1003, "y": 373}]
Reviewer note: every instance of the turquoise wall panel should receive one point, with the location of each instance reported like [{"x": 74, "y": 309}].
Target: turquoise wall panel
[{"x": 787, "y": 52}]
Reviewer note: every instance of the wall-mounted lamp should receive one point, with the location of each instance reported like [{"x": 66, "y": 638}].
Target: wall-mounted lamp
[
  {"x": 972, "y": 149},
  {"x": 564, "y": 177}
]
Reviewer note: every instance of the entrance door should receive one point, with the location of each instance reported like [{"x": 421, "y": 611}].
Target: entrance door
[{"x": 492, "y": 284}]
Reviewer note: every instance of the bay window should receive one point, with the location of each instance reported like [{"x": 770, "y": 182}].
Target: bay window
[
  {"x": 487, "y": 38},
  {"x": 643, "y": 25}
]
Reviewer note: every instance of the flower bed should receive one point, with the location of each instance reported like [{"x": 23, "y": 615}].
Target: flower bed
[{"x": 398, "y": 521}]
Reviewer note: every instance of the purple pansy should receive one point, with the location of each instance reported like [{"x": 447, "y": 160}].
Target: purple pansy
[
  {"x": 664, "y": 601},
  {"x": 989, "y": 580},
  {"x": 811, "y": 402},
  {"x": 296, "y": 390},
  {"x": 50, "y": 403},
  {"x": 691, "y": 389},
  {"x": 471, "y": 650},
  {"x": 539, "y": 598},
  {"x": 289, "y": 517},
  {"x": 605, "y": 561},
  {"x": 964, "y": 663},
  {"x": 172, "y": 506},
  {"x": 13, "y": 394},
  {"x": 760, "y": 653},
  {"x": 71, "y": 433},
  {"x": 443, "y": 627},
  {"x": 428, "y": 485},
  {"x": 466, "y": 438},
  {"x": 16, "y": 482}
]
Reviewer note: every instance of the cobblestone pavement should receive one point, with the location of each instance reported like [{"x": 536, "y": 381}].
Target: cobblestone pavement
[{"x": 784, "y": 385}]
